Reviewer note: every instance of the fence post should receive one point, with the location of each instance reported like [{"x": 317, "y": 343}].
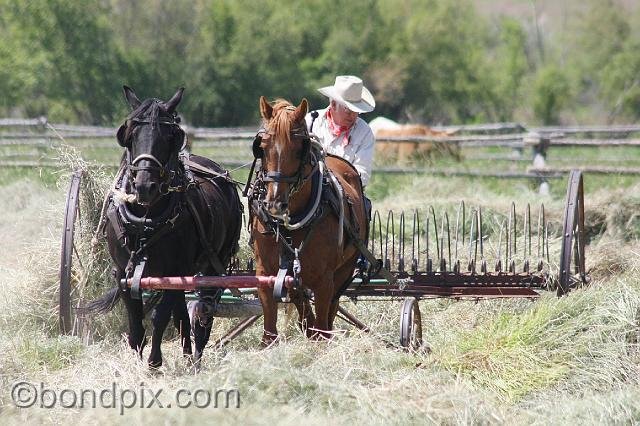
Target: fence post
[{"x": 539, "y": 146}]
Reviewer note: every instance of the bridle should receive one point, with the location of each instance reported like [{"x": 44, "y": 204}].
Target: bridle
[
  {"x": 295, "y": 180},
  {"x": 165, "y": 171}
]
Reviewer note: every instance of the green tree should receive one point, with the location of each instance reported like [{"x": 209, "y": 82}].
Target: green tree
[
  {"x": 85, "y": 68},
  {"x": 510, "y": 68},
  {"x": 597, "y": 35},
  {"x": 621, "y": 82},
  {"x": 21, "y": 64},
  {"x": 439, "y": 48},
  {"x": 550, "y": 94}
]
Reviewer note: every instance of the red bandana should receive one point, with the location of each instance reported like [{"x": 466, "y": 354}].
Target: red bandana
[{"x": 337, "y": 130}]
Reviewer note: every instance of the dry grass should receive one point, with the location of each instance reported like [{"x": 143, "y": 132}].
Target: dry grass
[{"x": 568, "y": 360}]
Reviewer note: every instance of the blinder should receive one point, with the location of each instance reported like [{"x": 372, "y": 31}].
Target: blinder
[
  {"x": 258, "y": 152},
  {"x": 121, "y": 134}
]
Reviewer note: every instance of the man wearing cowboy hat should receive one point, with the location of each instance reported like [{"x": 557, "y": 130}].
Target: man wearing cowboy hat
[{"x": 339, "y": 128}]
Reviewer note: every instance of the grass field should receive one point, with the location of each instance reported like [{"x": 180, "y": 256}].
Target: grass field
[{"x": 570, "y": 360}]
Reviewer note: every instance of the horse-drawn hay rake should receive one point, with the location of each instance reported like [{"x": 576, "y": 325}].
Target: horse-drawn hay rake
[{"x": 429, "y": 255}]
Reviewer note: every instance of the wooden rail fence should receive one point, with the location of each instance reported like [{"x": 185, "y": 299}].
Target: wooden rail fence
[{"x": 35, "y": 138}]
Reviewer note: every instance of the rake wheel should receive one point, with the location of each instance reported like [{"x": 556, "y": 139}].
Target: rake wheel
[
  {"x": 572, "y": 259},
  {"x": 66, "y": 256},
  {"x": 410, "y": 324}
]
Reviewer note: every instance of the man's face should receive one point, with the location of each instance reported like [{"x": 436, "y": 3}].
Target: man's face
[{"x": 342, "y": 115}]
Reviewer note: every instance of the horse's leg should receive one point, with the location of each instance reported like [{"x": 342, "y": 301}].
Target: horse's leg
[
  {"x": 202, "y": 319},
  {"x": 333, "y": 311},
  {"x": 270, "y": 315},
  {"x": 160, "y": 319},
  {"x": 201, "y": 336},
  {"x": 341, "y": 277},
  {"x": 181, "y": 322},
  {"x": 323, "y": 298},
  {"x": 305, "y": 313},
  {"x": 135, "y": 314}
]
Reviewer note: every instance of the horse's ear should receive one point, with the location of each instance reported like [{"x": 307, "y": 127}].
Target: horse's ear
[
  {"x": 131, "y": 97},
  {"x": 302, "y": 109},
  {"x": 172, "y": 103},
  {"x": 266, "y": 110}
]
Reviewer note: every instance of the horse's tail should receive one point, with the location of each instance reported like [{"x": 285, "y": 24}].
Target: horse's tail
[{"x": 104, "y": 304}]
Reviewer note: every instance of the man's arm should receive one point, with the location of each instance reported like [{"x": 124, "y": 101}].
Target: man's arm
[{"x": 364, "y": 158}]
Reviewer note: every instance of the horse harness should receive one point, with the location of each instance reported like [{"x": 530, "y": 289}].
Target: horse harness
[
  {"x": 327, "y": 195},
  {"x": 137, "y": 234}
]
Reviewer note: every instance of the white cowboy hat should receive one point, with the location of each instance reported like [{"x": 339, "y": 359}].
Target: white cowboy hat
[{"x": 349, "y": 90}]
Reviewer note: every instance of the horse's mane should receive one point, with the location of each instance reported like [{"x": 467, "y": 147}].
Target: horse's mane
[{"x": 282, "y": 120}]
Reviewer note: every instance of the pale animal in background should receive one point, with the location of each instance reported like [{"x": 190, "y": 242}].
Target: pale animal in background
[{"x": 405, "y": 151}]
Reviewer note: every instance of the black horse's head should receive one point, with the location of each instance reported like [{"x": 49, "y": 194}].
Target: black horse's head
[{"x": 152, "y": 137}]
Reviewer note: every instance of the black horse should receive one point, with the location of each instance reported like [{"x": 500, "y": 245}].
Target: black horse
[{"x": 171, "y": 214}]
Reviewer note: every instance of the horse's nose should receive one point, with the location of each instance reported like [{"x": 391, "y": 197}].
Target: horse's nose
[
  {"x": 277, "y": 208},
  {"x": 147, "y": 191}
]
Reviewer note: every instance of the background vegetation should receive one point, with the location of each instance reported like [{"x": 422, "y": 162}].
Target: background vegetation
[{"x": 433, "y": 61}]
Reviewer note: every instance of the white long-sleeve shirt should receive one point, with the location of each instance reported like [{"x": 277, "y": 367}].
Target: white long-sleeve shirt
[{"x": 360, "y": 149}]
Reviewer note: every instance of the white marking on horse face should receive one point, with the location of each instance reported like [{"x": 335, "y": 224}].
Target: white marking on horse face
[{"x": 279, "y": 152}]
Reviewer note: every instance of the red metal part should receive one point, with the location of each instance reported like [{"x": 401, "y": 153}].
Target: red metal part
[
  {"x": 195, "y": 283},
  {"x": 427, "y": 291},
  {"x": 476, "y": 280}
]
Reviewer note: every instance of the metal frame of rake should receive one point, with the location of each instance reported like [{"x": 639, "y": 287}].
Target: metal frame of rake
[{"x": 437, "y": 270}]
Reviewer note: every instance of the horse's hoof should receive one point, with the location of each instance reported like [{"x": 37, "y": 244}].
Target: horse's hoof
[
  {"x": 268, "y": 342},
  {"x": 139, "y": 349},
  {"x": 154, "y": 365},
  {"x": 202, "y": 311},
  {"x": 321, "y": 336},
  {"x": 196, "y": 361},
  {"x": 187, "y": 351}
]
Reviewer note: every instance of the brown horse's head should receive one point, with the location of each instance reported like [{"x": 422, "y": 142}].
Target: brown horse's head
[{"x": 284, "y": 147}]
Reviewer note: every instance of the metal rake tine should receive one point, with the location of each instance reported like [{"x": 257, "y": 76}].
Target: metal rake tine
[
  {"x": 426, "y": 236},
  {"x": 393, "y": 238},
  {"x": 511, "y": 225},
  {"x": 546, "y": 240},
  {"x": 515, "y": 227},
  {"x": 471, "y": 230},
  {"x": 540, "y": 231},
  {"x": 435, "y": 228},
  {"x": 502, "y": 227},
  {"x": 480, "y": 236},
  {"x": 415, "y": 238},
  {"x": 377, "y": 214},
  {"x": 445, "y": 218},
  {"x": 401, "y": 236},
  {"x": 475, "y": 245},
  {"x": 372, "y": 232},
  {"x": 457, "y": 234},
  {"x": 527, "y": 231}
]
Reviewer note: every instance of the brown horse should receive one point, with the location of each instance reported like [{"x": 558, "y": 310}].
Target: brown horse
[{"x": 295, "y": 207}]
